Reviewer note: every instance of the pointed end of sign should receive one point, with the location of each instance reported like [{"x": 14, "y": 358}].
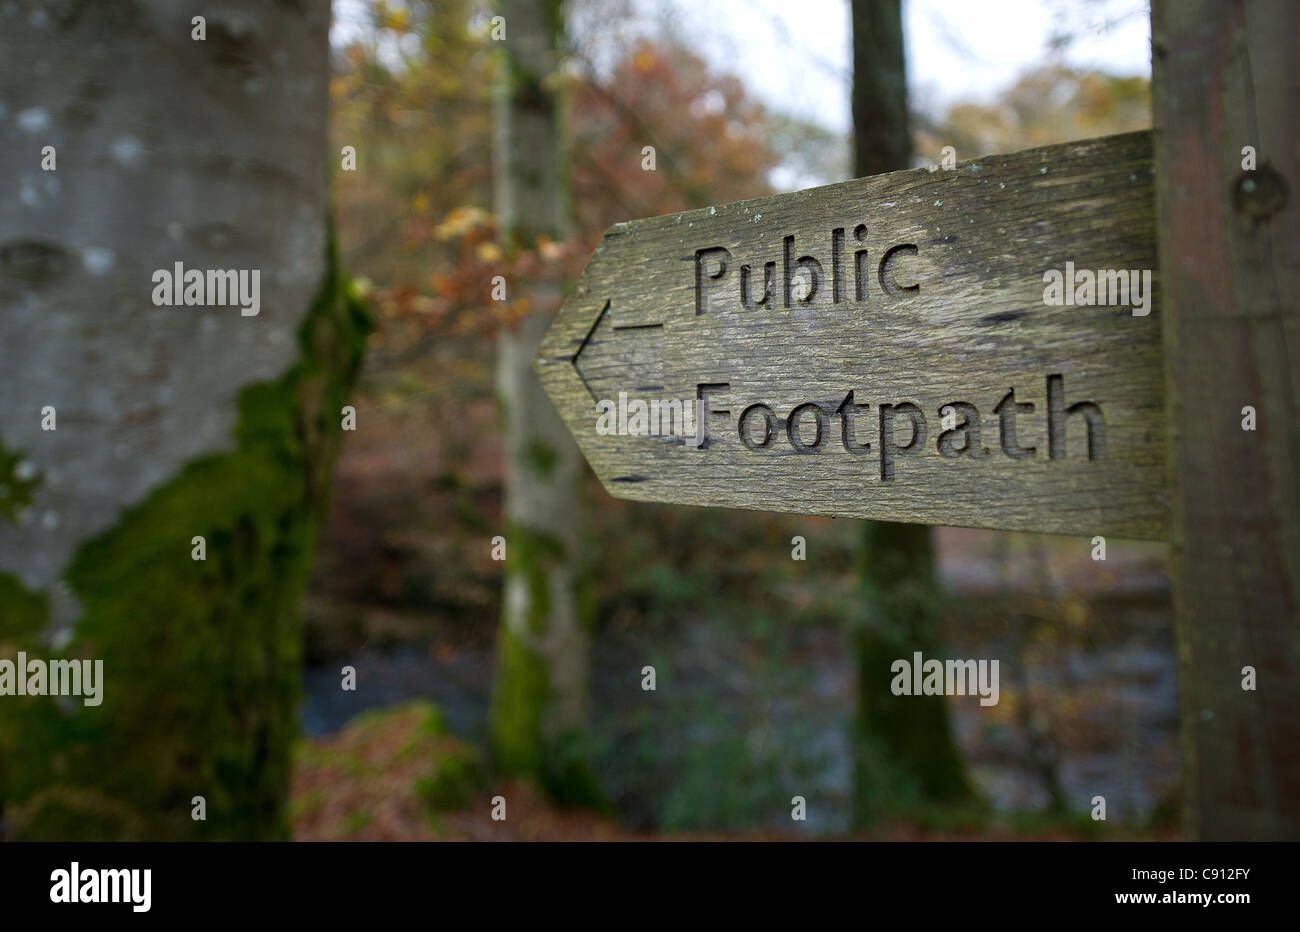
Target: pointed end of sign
[{"x": 556, "y": 362}]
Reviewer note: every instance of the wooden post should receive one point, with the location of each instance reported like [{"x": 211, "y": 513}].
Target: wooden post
[{"x": 1229, "y": 245}]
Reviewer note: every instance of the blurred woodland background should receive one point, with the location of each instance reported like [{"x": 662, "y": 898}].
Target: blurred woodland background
[
  {"x": 754, "y": 652},
  {"x": 454, "y": 158}
]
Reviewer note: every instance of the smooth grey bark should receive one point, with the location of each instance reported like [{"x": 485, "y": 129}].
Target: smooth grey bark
[{"x": 210, "y": 153}]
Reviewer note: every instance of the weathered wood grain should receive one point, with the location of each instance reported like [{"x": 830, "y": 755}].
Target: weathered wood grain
[
  {"x": 975, "y": 327},
  {"x": 1226, "y": 77}
]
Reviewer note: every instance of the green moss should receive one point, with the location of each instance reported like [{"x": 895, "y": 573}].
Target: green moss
[
  {"x": 357, "y": 822},
  {"x": 541, "y": 457},
  {"x": 566, "y": 773},
  {"x": 533, "y": 555},
  {"x": 15, "y": 491},
  {"x": 521, "y": 690},
  {"x": 522, "y": 693},
  {"x": 305, "y": 805},
  {"x": 434, "y": 723},
  {"x": 201, "y": 658},
  {"x": 588, "y": 602},
  {"x": 22, "y": 612},
  {"x": 457, "y": 776},
  {"x": 553, "y": 19},
  {"x": 63, "y": 811},
  {"x": 1078, "y": 825}
]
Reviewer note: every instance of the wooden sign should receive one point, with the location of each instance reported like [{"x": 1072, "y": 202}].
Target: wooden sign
[{"x": 975, "y": 346}]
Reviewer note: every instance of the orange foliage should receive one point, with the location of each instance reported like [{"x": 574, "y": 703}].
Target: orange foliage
[{"x": 415, "y": 216}]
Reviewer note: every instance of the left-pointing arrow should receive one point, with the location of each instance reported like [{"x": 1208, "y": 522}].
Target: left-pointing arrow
[{"x": 613, "y": 359}]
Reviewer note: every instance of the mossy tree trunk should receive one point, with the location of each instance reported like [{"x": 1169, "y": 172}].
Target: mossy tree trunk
[
  {"x": 540, "y": 693},
  {"x": 905, "y": 758},
  {"x": 171, "y": 422}
]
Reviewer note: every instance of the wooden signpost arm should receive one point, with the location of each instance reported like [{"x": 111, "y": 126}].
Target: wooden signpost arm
[{"x": 1225, "y": 92}]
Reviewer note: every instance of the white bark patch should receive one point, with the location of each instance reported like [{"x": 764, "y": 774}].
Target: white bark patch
[
  {"x": 33, "y": 120},
  {"x": 98, "y": 260},
  {"x": 518, "y": 605},
  {"x": 127, "y": 151}
]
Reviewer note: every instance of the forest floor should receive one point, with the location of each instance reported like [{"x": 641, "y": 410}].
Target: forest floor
[
  {"x": 752, "y": 710},
  {"x": 372, "y": 782}
]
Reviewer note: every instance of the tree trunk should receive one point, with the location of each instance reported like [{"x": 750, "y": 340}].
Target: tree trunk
[
  {"x": 539, "y": 703},
  {"x": 170, "y": 422},
  {"x": 905, "y": 757},
  {"x": 882, "y": 135}
]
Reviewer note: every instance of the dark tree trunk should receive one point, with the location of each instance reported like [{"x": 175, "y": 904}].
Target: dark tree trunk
[{"x": 905, "y": 758}]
